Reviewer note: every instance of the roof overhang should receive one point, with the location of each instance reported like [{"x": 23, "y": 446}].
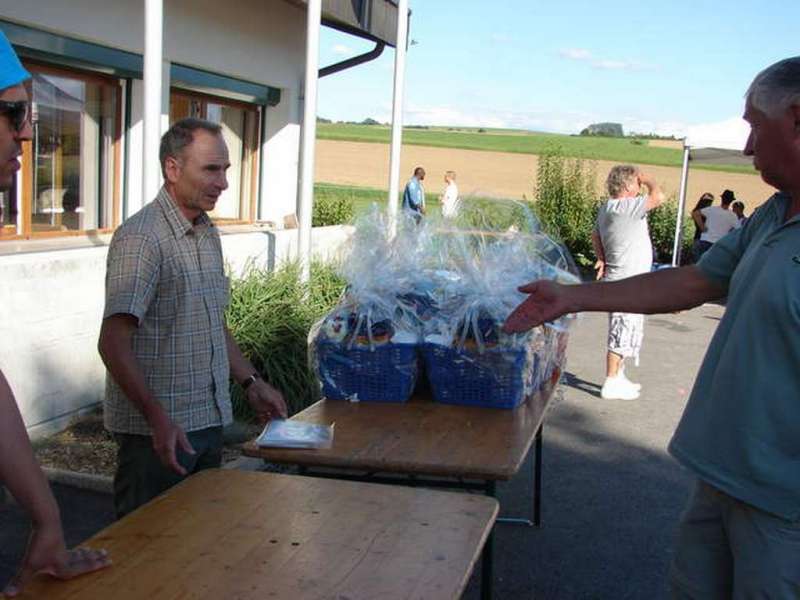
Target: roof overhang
[{"x": 374, "y": 20}]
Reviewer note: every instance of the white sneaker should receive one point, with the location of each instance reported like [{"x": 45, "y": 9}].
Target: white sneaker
[
  {"x": 618, "y": 388},
  {"x": 636, "y": 386}
]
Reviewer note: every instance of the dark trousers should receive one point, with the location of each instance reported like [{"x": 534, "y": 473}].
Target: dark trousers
[
  {"x": 140, "y": 476},
  {"x": 699, "y": 248}
]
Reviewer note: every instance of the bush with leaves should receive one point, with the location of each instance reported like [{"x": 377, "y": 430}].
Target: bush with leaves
[
  {"x": 566, "y": 202},
  {"x": 661, "y": 221},
  {"x": 331, "y": 208},
  {"x": 270, "y": 315}
]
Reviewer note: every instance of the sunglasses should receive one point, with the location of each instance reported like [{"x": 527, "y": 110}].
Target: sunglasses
[{"x": 18, "y": 113}]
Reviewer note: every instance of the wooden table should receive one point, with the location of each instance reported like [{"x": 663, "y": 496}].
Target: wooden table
[
  {"x": 432, "y": 444},
  {"x": 239, "y": 535}
]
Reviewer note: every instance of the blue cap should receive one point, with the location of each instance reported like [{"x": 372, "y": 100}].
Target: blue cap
[{"x": 11, "y": 70}]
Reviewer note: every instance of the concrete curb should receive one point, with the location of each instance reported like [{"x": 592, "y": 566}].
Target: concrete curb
[{"x": 102, "y": 484}]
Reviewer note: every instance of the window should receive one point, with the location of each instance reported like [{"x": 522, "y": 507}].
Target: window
[
  {"x": 70, "y": 169},
  {"x": 239, "y": 122}
]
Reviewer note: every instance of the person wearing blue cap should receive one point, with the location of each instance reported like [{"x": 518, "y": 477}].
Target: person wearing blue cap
[{"x": 19, "y": 471}]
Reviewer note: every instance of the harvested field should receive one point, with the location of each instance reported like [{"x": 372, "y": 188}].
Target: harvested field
[{"x": 500, "y": 174}]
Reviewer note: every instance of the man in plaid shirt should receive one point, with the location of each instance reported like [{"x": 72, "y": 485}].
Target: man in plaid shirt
[{"x": 163, "y": 337}]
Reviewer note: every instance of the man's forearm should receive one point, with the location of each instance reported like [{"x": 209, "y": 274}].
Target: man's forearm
[
  {"x": 663, "y": 291},
  {"x": 241, "y": 367},
  {"x": 19, "y": 471},
  {"x": 597, "y": 244}
]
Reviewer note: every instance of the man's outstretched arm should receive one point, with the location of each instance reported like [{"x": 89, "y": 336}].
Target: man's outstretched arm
[
  {"x": 23, "y": 477},
  {"x": 667, "y": 290}
]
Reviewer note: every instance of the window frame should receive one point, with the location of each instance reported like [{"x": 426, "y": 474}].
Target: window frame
[
  {"x": 255, "y": 152},
  {"x": 24, "y": 181}
]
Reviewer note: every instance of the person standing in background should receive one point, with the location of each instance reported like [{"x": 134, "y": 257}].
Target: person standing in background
[
  {"x": 450, "y": 201},
  {"x": 706, "y": 200},
  {"x": 414, "y": 195},
  {"x": 622, "y": 245},
  {"x": 716, "y": 223},
  {"x": 738, "y": 209}
]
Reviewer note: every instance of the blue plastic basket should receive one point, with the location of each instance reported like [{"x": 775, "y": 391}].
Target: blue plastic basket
[
  {"x": 384, "y": 373},
  {"x": 494, "y": 379}
]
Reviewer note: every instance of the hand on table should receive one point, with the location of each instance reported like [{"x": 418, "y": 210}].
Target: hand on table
[
  {"x": 46, "y": 553},
  {"x": 266, "y": 401}
]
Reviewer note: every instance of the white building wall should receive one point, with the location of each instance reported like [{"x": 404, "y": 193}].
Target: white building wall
[
  {"x": 48, "y": 350},
  {"x": 261, "y": 41}
]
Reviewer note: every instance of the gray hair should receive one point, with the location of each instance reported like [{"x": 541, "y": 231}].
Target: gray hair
[
  {"x": 777, "y": 87},
  {"x": 179, "y": 136},
  {"x": 618, "y": 179}
]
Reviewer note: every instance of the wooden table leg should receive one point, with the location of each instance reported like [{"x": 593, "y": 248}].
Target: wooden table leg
[
  {"x": 537, "y": 478},
  {"x": 487, "y": 561}
]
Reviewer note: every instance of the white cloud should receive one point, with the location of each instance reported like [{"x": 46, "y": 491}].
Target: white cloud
[
  {"x": 575, "y": 54},
  {"x": 583, "y": 55},
  {"x": 501, "y": 38},
  {"x": 341, "y": 49}
]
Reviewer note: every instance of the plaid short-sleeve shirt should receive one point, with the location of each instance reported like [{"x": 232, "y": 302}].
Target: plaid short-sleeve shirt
[{"x": 169, "y": 274}]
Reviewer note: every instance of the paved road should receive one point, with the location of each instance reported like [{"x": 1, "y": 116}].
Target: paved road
[{"x": 611, "y": 496}]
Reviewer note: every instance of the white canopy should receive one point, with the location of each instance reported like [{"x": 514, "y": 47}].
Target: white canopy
[{"x": 711, "y": 143}]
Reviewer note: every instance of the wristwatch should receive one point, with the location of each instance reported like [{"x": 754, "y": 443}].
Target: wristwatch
[{"x": 250, "y": 380}]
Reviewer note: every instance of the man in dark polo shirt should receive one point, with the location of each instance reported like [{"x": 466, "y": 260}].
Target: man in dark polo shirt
[
  {"x": 163, "y": 338},
  {"x": 740, "y": 431}
]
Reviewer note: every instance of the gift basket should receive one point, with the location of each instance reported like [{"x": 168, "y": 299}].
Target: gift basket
[
  {"x": 468, "y": 358},
  {"x": 365, "y": 349},
  {"x": 435, "y": 295}
]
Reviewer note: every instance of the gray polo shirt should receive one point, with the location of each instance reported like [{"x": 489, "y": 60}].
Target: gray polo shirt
[
  {"x": 622, "y": 225},
  {"x": 740, "y": 430}
]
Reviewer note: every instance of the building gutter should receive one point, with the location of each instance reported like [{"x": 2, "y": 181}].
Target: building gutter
[{"x": 354, "y": 61}]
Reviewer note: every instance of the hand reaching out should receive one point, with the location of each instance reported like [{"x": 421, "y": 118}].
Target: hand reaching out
[{"x": 547, "y": 301}]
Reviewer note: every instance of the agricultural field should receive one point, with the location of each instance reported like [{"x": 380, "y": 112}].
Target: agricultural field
[
  {"x": 666, "y": 153},
  {"x": 503, "y": 174}
]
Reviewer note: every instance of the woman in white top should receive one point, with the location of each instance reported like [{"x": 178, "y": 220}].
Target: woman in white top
[{"x": 450, "y": 201}]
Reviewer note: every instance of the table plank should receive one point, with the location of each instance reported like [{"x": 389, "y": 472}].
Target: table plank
[
  {"x": 419, "y": 437},
  {"x": 239, "y": 535}
]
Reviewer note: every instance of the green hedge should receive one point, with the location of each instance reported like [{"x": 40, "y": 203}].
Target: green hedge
[
  {"x": 270, "y": 315},
  {"x": 566, "y": 202},
  {"x": 332, "y": 208}
]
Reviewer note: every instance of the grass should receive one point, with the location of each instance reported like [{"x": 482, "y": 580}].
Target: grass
[
  {"x": 624, "y": 150},
  {"x": 364, "y": 197}
]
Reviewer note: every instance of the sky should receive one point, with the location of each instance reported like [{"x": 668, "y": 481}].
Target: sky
[{"x": 657, "y": 66}]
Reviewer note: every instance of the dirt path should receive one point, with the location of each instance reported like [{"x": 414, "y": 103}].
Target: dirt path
[{"x": 500, "y": 174}]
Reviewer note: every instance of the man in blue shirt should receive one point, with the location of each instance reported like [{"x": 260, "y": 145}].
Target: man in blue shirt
[
  {"x": 414, "y": 195},
  {"x": 740, "y": 431}
]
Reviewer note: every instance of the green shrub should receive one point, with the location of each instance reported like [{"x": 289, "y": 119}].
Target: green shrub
[
  {"x": 270, "y": 315},
  {"x": 331, "y": 208},
  {"x": 661, "y": 221},
  {"x": 566, "y": 202}
]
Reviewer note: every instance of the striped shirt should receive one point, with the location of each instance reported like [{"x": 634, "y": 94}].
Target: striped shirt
[{"x": 169, "y": 275}]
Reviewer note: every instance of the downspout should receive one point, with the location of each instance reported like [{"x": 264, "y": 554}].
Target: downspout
[{"x": 355, "y": 61}]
